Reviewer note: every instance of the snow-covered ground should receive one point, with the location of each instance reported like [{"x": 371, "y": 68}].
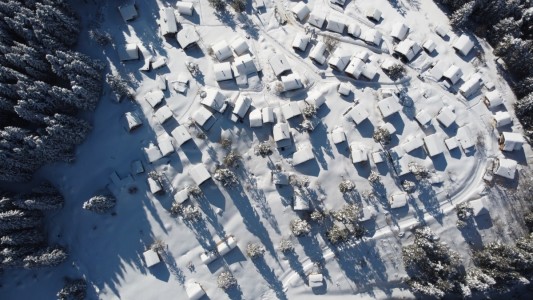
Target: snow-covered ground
[{"x": 107, "y": 250}]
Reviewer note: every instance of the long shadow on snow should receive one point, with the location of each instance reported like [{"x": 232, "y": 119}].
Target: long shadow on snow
[
  {"x": 320, "y": 142},
  {"x": 270, "y": 277},
  {"x": 428, "y": 197}
]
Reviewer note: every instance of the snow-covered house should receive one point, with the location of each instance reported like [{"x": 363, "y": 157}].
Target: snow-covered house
[
  {"x": 282, "y": 134},
  {"x": 358, "y": 114},
  {"x": 315, "y": 280},
  {"x": 222, "y": 50},
  {"x": 185, "y": 8},
  {"x": 502, "y": 118},
  {"x": 158, "y": 62},
  {"x": 318, "y": 53},
  {"x": 412, "y": 144},
  {"x": 354, "y": 30},
  {"x": 463, "y": 45},
  {"x": 378, "y": 156},
  {"x": 362, "y": 55},
  {"x": 256, "y": 118},
  {"x": 152, "y": 153},
  {"x": 180, "y": 84},
  {"x": 204, "y": 118},
  {"x": 151, "y": 258},
  {"x": 334, "y": 24},
  {"x": 132, "y": 120},
  {"x": 344, "y": 89},
  {"x": 199, "y": 174},
  {"x": 367, "y": 213},
  {"x": 338, "y": 136},
  {"x": 280, "y": 64},
  {"x": 291, "y": 82},
  {"x": 317, "y": 18},
  {"x": 465, "y": 138},
  {"x": 505, "y": 167},
  {"x": 423, "y": 117},
  {"x": 244, "y": 65},
  {"x": 163, "y": 114},
  {"x": 358, "y": 153},
  {"x": 215, "y": 100},
  {"x": 187, "y": 37},
  {"x": 429, "y": 45},
  {"x": 137, "y": 167},
  {"x": 399, "y": 31},
  {"x": 128, "y": 52},
  {"x": 479, "y": 207},
  {"x": 441, "y": 31},
  {"x": 493, "y": 98},
  {"x": 193, "y": 289},
  {"x": 300, "y": 11},
  {"x": 398, "y": 200},
  {"x": 154, "y": 186},
  {"x": 300, "y": 202},
  {"x": 154, "y": 97},
  {"x": 407, "y": 49},
  {"x": 181, "y": 135},
  {"x": 181, "y": 196},
  {"x": 239, "y": 46},
  {"x": 452, "y": 74},
  {"x": 369, "y": 71},
  {"x": 268, "y": 115},
  {"x": 167, "y": 21},
  {"x": 291, "y": 110},
  {"x": 242, "y": 106},
  {"x": 372, "y": 37},
  {"x": 434, "y": 144},
  {"x": 389, "y": 106},
  {"x": 223, "y": 247},
  {"x": 303, "y": 154},
  {"x": 128, "y": 12},
  {"x": 373, "y": 14},
  {"x": 223, "y": 71},
  {"x": 355, "y": 68},
  {"x": 472, "y": 85},
  {"x": 164, "y": 142},
  {"x": 510, "y": 141},
  {"x": 451, "y": 143},
  {"x": 446, "y": 116},
  {"x": 339, "y": 59},
  {"x": 300, "y": 41}
]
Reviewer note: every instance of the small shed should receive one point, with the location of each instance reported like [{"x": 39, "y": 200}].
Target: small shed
[
  {"x": 399, "y": 31},
  {"x": 151, "y": 258},
  {"x": 463, "y": 45},
  {"x": 317, "y": 18},
  {"x": 300, "y": 203},
  {"x": 167, "y": 21},
  {"x": 493, "y": 99},
  {"x": 204, "y": 118},
  {"x": 372, "y": 37},
  {"x": 185, "y": 8},
  {"x": 132, "y": 120},
  {"x": 472, "y": 85},
  {"x": 423, "y": 117},
  {"x": 282, "y": 134},
  {"x": 199, "y": 174},
  {"x": 338, "y": 135},
  {"x": 358, "y": 114},
  {"x": 225, "y": 246},
  {"x": 358, "y": 153},
  {"x": 164, "y": 142},
  {"x": 389, "y": 106},
  {"x": 128, "y": 12},
  {"x": 152, "y": 153},
  {"x": 479, "y": 207},
  {"x": 244, "y": 65},
  {"x": 256, "y": 119},
  {"x": 502, "y": 118},
  {"x": 335, "y": 24},
  {"x": 453, "y": 74},
  {"x": 373, "y": 14},
  {"x": 344, "y": 89},
  {"x": 300, "y": 41},
  {"x": 187, "y": 37},
  {"x": 355, "y": 68},
  {"x": 268, "y": 115},
  {"x": 434, "y": 144},
  {"x": 315, "y": 280},
  {"x": 223, "y": 71},
  {"x": 510, "y": 141},
  {"x": 318, "y": 53},
  {"x": 300, "y": 11},
  {"x": 291, "y": 110},
  {"x": 441, "y": 31},
  {"x": 303, "y": 154},
  {"x": 412, "y": 144},
  {"x": 429, "y": 46},
  {"x": 354, "y": 30},
  {"x": 193, "y": 289},
  {"x": 339, "y": 59},
  {"x": 128, "y": 52},
  {"x": 446, "y": 116},
  {"x": 242, "y": 106},
  {"x": 407, "y": 50},
  {"x": 280, "y": 64},
  {"x": 505, "y": 167},
  {"x": 451, "y": 143},
  {"x": 181, "y": 135},
  {"x": 222, "y": 50},
  {"x": 163, "y": 114},
  {"x": 137, "y": 167},
  {"x": 154, "y": 186},
  {"x": 398, "y": 200},
  {"x": 291, "y": 82},
  {"x": 158, "y": 62},
  {"x": 239, "y": 46}
]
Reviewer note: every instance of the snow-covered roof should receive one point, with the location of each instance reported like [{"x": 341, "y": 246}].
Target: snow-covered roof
[
  {"x": 479, "y": 207},
  {"x": 164, "y": 142},
  {"x": 167, "y": 21},
  {"x": 256, "y": 119},
  {"x": 244, "y": 65},
  {"x": 280, "y": 64},
  {"x": 158, "y": 62},
  {"x": 316, "y": 280},
  {"x": 505, "y": 167},
  {"x": 472, "y": 85},
  {"x": 502, "y": 118},
  {"x": 412, "y": 144},
  {"x": 441, "y": 31},
  {"x": 300, "y": 41},
  {"x": 239, "y": 46},
  {"x": 280, "y": 178},
  {"x": 390, "y": 128},
  {"x": 373, "y": 14},
  {"x": 128, "y": 12},
  {"x": 151, "y": 258},
  {"x": 335, "y": 24},
  {"x": 214, "y": 99},
  {"x": 300, "y": 202},
  {"x": 337, "y": 135},
  {"x": 451, "y": 143},
  {"x": 185, "y": 8},
  {"x": 372, "y": 36},
  {"x": 463, "y": 44},
  {"x": 132, "y": 120},
  {"x": 281, "y": 132},
  {"x": 339, "y": 59},
  {"x": 423, "y": 117},
  {"x": 181, "y": 135},
  {"x": 300, "y": 11},
  {"x": 225, "y": 246},
  {"x": 128, "y": 52},
  {"x": 222, "y": 50},
  {"x": 453, "y": 74},
  {"x": 368, "y": 212},
  {"x": 429, "y": 45},
  {"x": 241, "y": 106},
  {"x": 389, "y": 106},
  {"x": 355, "y": 68},
  {"x": 291, "y": 110},
  {"x": 154, "y": 186},
  {"x": 317, "y": 18},
  {"x": 388, "y": 64},
  {"x": 137, "y": 167},
  {"x": 354, "y": 30},
  {"x": 465, "y": 138},
  {"x": 204, "y": 118},
  {"x": 434, "y": 144},
  {"x": 358, "y": 153},
  {"x": 163, "y": 114},
  {"x": 446, "y": 116},
  {"x": 193, "y": 289},
  {"x": 399, "y": 31},
  {"x": 408, "y": 49},
  {"x": 223, "y": 71},
  {"x": 181, "y": 196},
  {"x": 510, "y": 141},
  {"x": 303, "y": 154},
  {"x": 344, "y": 89},
  {"x": 291, "y": 82},
  {"x": 318, "y": 53},
  {"x": 369, "y": 71},
  {"x": 152, "y": 153},
  {"x": 377, "y": 156},
  {"x": 398, "y": 200},
  {"x": 187, "y": 36},
  {"x": 362, "y": 55},
  {"x": 268, "y": 115},
  {"x": 358, "y": 114},
  {"x": 199, "y": 174},
  {"x": 493, "y": 98}
]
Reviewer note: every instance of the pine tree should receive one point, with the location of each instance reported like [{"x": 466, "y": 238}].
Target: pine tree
[
  {"x": 100, "y": 204},
  {"x": 517, "y": 55},
  {"x": 524, "y": 87},
  {"x": 47, "y": 257},
  {"x": 73, "y": 290},
  {"x": 56, "y": 25},
  {"x": 44, "y": 197},
  {"x": 19, "y": 219},
  {"x": 30, "y": 236},
  {"x": 507, "y": 26},
  {"x": 460, "y": 17}
]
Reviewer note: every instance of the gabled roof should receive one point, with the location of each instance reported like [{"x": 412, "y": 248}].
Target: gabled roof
[
  {"x": 241, "y": 106},
  {"x": 281, "y": 132},
  {"x": 245, "y": 65},
  {"x": 337, "y": 135},
  {"x": 152, "y": 153},
  {"x": 334, "y": 24},
  {"x": 181, "y": 135},
  {"x": 163, "y": 114},
  {"x": 317, "y": 18},
  {"x": 446, "y": 116},
  {"x": 506, "y": 168},
  {"x": 355, "y": 68},
  {"x": 151, "y": 258},
  {"x": 429, "y": 45},
  {"x": 358, "y": 153},
  {"x": 222, "y": 50},
  {"x": 193, "y": 289},
  {"x": 408, "y": 49},
  {"x": 493, "y": 98},
  {"x": 398, "y": 200},
  {"x": 203, "y": 117},
  {"x": 214, "y": 99},
  {"x": 354, "y": 30},
  {"x": 434, "y": 144},
  {"x": 471, "y": 85},
  {"x": 291, "y": 82},
  {"x": 399, "y": 31},
  {"x": 223, "y": 71},
  {"x": 412, "y": 144},
  {"x": 502, "y": 118},
  {"x": 453, "y": 74},
  {"x": 132, "y": 120},
  {"x": 373, "y": 14},
  {"x": 358, "y": 114},
  {"x": 268, "y": 115},
  {"x": 463, "y": 45},
  {"x": 128, "y": 52},
  {"x": 300, "y": 41},
  {"x": 290, "y": 110},
  {"x": 279, "y": 64},
  {"x": 256, "y": 119},
  {"x": 303, "y": 154},
  {"x": 187, "y": 36},
  {"x": 372, "y": 36},
  {"x": 423, "y": 117},
  {"x": 318, "y": 53},
  {"x": 185, "y": 8},
  {"x": 128, "y": 12},
  {"x": 199, "y": 174},
  {"x": 389, "y": 106},
  {"x": 167, "y": 21},
  {"x": 300, "y": 11},
  {"x": 239, "y": 46},
  {"x": 339, "y": 59},
  {"x": 164, "y": 142}
]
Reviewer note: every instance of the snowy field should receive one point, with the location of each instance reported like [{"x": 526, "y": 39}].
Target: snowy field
[{"x": 107, "y": 250}]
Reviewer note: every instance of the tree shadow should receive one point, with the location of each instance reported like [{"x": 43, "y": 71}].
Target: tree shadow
[{"x": 270, "y": 277}]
